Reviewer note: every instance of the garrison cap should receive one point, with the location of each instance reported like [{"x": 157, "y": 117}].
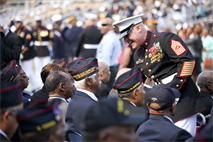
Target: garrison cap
[
  {"x": 70, "y": 64},
  {"x": 128, "y": 81},
  {"x": 80, "y": 69},
  {"x": 109, "y": 112},
  {"x": 61, "y": 62},
  {"x": 125, "y": 26},
  {"x": 40, "y": 115},
  {"x": 10, "y": 71},
  {"x": 163, "y": 95},
  {"x": 10, "y": 94}
]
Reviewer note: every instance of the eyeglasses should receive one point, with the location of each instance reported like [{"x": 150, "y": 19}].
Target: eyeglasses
[{"x": 105, "y": 24}]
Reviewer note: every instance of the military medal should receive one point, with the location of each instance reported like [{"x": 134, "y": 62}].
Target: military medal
[
  {"x": 156, "y": 53},
  {"x": 139, "y": 61}
]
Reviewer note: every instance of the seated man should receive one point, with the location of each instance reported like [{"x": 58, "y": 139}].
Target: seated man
[
  {"x": 105, "y": 75},
  {"x": 130, "y": 89},
  {"x": 10, "y": 105},
  {"x": 14, "y": 72},
  {"x": 59, "y": 86},
  {"x": 42, "y": 121},
  {"x": 46, "y": 70},
  {"x": 205, "y": 82},
  {"x": 109, "y": 120},
  {"x": 159, "y": 126},
  {"x": 87, "y": 81}
]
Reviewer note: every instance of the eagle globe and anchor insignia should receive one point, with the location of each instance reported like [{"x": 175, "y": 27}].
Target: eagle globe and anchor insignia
[{"x": 155, "y": 53}]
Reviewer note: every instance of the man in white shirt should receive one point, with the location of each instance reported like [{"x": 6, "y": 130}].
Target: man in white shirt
[
  {"x": 109, "y": 49},
  {"x": 87, "y": 81}
]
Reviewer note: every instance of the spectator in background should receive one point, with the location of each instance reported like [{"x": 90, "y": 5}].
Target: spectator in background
[
  {"x": 207, "y": 41},
  {"x": 104, "y": 73},
  {"x": 42, "y": 38},
  {"x": 71, "y": 36},
  {"x": 152, "y": 25},
  {"x": 109, "y": 49},
  {"x": 194, "y": 44},
  {"x": 28, "y": 52},
  {"x": 89, "y": 38},
  {"x": 11, "y": 45},
  {"x": 58, "y": 41},
  {"x": 126, "y": 57},
  {"x": 205, "y": 82}
]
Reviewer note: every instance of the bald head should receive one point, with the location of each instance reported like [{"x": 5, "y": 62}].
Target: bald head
[
  {"x": 204, "y": 77},
  {"x": 102, "y": 66},
  {"x": 122, "y": 71},
  {"x": 104, "y": 71},
  {"x": 106, "y": 25}
]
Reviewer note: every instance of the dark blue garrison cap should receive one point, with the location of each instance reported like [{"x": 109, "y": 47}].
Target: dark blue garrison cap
[
  {"x": 61, "y": 62},
  {"x": 10, "y": 71},
  {"x": 80, "y": 69},
  {"x": 128, "y": 81},
  {"x": 70, "y": 64},
  {"x": 10, "y": 94},
  {"x": 40, "y": 115}
]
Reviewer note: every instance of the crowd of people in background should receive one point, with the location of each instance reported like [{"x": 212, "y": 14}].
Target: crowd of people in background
[{"x": 91, "y": 76}]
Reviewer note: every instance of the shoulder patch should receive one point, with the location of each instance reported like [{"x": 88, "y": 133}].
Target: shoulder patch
[
  {"x": 188, "y": 68},
  {"x": 177, "y": 47},
  {"x": 28, "y": 36}
]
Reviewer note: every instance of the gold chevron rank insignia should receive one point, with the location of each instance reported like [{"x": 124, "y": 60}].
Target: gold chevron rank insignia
[{"x": 187, "y": 69}]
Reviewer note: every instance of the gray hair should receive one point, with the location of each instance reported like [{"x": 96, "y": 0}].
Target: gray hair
[
  {"x": 81, "y": 83},
  {"x": 127, "y": 95}
]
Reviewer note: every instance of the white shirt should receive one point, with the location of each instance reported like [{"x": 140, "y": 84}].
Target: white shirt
[
  {"x": 89, "y": 94},
  {"x": 109, "y": 49},
  {"x": 169, "y": 119},
  {"x": 1, "y": 132},
  {"x": 58, "y": 98}
]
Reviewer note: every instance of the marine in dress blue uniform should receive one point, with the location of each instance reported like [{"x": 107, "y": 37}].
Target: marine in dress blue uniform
[{"x": 165, "y": 58}]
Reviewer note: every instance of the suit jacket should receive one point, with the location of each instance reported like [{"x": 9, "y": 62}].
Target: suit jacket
[
  {"x": 103, "y": 92},
  {"x": 159, "y": 128},
  {"x": 12, "y": 48},
  {"x": 3, "y": 138},
  {"x": 77, "y": 109},
  {"x": 208, "y": 101},
  {"x": 164, "y": 54},
  {"x": 136, "y": 110},
  {"x": 40, "y": 94}
]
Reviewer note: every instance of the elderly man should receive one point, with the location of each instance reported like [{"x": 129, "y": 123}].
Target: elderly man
[
  {"x": 58, "y": 84},
  {"x": 130, "y": 89},
  {"x": 105, "y": 75},
  {"x": 46, "y": 70},
  {"x": 10, "y": 105},
  {"x": 159, "y": 126},
  {"x": 109, "y": 49},
  {"x": 42, "y": 121},
  {"x": 87, "y": 82},
  {"x": 164, "y": 58},
  {"x": 110, "y": 120},
  {"x": 13, "y": 72},
  {"x": 205, "y": 82}
]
